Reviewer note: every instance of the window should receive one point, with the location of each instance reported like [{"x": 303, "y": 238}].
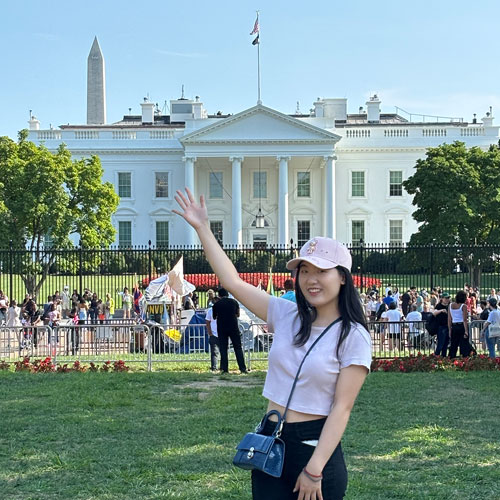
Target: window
[
  {"x": 303, "y": 232},
  {"x": 161, "y": 184},
  {"x": 125, "y": 184},
  {"x": 358, "y": 231},
  {"x": 124, "y": 233},
  {"x": 395, "y": 183},
  {"x": 215, "y": 185},
  {"x": 216, "y": 228},
  {"x": 48, "y": 241},
  {"x": 161, "y": 233},
  {"x": 395, "y": 231},
  {"x": 260, "y": 184},
  {"x": 259, "y": 242},
  {"x": 357, "y": 184},
  {"x": 304, "y": 184}
]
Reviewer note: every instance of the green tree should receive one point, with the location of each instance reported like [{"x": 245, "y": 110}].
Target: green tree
[
  {"x": 457, "y": 194},
  {"x": 48, "y": 197}
]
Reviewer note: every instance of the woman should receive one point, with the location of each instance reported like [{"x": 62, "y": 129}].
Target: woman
[
  {"x": 458, "y": 326},
  {"x": 493, "y": 318},
  {"x": 93, "y": 309},
  {"x": 127, "y": 303},
  {"x": 109, "y": 307},
  {"x": 332, "y": 374},
  {"x": 14, "y": 314}
]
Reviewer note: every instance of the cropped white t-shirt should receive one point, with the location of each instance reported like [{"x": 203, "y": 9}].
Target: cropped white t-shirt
[{"x": 315, "y": 389}]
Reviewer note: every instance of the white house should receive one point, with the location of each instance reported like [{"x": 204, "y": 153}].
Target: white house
[{"x": 268, "y": 177}]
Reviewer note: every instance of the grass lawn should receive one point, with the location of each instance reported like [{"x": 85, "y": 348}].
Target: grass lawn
[{"x": 172, "y": 435}]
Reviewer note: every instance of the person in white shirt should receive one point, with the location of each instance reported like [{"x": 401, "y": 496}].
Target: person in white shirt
[
  {"x": 394, "y": 316},
  {"x": 328, "y": 311},
  {"x": 416, "y": 328},
  {"x": 213, "y": 339}
]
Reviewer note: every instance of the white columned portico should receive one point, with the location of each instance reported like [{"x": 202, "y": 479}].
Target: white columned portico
[
  {"x": 283, "y": 200},
  {"x": 189, "y": 183},
  {"x": 236, "y": 224},
  {"x": 331, "y": 211}
]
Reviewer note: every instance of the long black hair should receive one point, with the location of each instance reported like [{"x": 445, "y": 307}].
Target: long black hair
[{"x": 350, "y": 309}]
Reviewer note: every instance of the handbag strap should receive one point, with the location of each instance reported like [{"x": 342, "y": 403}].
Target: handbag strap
[{"x": 300, "y": 368}]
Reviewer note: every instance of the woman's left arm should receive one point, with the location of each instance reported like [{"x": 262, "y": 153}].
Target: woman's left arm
[{"x": 349, "y": 384}]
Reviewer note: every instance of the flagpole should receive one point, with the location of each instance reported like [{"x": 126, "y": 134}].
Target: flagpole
[{"x": 258, "y": 65}]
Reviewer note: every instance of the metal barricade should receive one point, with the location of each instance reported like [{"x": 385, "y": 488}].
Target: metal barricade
[
  {"x": 103, "y": 341},
  {"x": 256, "y": 342},
  {"x": 17, "y": 342}
]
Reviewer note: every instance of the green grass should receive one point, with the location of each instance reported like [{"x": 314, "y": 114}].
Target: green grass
[{"x": 172, "y": 435}]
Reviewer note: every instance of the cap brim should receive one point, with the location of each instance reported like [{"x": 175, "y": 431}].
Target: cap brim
[{"x": 315, "y": 261}]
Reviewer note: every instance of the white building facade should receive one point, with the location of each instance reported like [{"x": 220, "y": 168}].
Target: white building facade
[{"x": 325, "y": 173}]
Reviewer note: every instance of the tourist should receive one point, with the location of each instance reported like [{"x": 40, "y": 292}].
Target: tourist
[
  {"x": 94, "y": 301},
  {"x": 289, "y": 290},
  {"x": 415, "y": 327},
  {"x": 211, "y": 298},
  {"x": 405, "y": 302},
  {"x": 393, "y": 316},
  {"x": 65, "y": 301},
  {"x": 226, "y": 311},
  {"x": 493, "y": 318},
  {"x": 126, "y": 303},
  {"x": 213, "y": 339},
  {"x": 458, "y": 326},
  {"x": 109, "y": 308},
  {"x": 13, "y": 314},
  {"x": 328, "y": 385},
  {"x": 388, "y": 298},
  {"x": 4, "y": 304},
  {"x": 441, "y": 315}
]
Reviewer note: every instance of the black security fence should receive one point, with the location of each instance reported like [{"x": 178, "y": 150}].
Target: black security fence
[{"x": 109, "y": 270}]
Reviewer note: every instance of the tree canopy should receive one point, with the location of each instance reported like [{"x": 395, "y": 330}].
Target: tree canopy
[
  {"x": 47, "y": 197},
  {"x": 457, "y": 194}
]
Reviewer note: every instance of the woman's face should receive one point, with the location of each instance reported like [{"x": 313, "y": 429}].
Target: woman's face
[{"x": 319, "y": 286}]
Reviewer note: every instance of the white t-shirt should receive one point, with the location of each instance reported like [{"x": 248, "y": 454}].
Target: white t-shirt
[
  {"x": 393, "y": 315},
  {"x": 213, "y": 322},
  {"x": 414, "y": 316},
  {"x": 494, "y": 317},
  {"x": 315, "y": 389}
]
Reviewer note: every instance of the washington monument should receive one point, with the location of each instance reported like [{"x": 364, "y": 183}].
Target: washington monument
[{"x": 96, "y": 86}]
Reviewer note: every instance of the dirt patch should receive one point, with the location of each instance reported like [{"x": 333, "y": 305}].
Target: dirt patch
[{"x": 213, "y": 384}]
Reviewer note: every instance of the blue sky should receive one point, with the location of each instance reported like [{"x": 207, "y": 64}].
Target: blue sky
[{"x": 433, "y": 57}]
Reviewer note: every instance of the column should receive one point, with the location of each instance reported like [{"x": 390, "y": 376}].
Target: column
[
  {"x": 283, "y": 201},
  {"x": 190, "y": 236},
  {"x": 331, "y": 212},
  {"x": 236, "y": 225}
]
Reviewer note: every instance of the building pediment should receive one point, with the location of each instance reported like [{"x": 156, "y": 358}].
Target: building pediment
[{"x": 261, "y": 125}]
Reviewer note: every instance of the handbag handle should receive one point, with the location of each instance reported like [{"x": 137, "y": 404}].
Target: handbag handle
[
  {"x": 300, "y": 368},
  {"x": 279, "y": 423}
]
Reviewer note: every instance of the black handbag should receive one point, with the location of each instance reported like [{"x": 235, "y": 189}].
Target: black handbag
[{"x": 267, "y": 453}]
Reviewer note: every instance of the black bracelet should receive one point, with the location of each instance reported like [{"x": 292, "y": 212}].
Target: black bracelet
[{"x": 312, "y": 478}]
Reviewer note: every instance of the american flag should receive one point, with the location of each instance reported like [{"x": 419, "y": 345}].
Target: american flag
[{"x": 255, "y": 26}]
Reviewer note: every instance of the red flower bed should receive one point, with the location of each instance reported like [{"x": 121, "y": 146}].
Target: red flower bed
[
  {"x": 203, "y": 282},
  {"x": 432, "y": 363},
  {"x": 46, "y": 365}
]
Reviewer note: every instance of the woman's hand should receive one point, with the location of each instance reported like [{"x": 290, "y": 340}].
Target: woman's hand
[
  {"x": 307, "y": 488},
  {"x": 194, "y": 214}
]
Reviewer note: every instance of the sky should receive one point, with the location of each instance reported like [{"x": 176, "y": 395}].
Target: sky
[{"x": 436, "y": 57}]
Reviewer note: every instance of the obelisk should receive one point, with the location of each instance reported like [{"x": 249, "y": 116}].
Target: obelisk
[{"x": 96, "y": 86}]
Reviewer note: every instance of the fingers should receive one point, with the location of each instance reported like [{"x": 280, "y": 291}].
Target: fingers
[
  {"x": 190, "y": 195},
  {"x": 202, "y": 201},
  {"x": 181, "y": 200}
]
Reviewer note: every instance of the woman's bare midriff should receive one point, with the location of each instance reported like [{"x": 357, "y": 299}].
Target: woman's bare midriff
[{"x": 292, "y": 415}]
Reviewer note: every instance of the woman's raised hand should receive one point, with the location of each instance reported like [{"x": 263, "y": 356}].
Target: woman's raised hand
[{"x": 193, "y": 213}]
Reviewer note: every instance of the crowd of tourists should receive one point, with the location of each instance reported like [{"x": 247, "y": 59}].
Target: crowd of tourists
[{"x": 433, "y": 314}]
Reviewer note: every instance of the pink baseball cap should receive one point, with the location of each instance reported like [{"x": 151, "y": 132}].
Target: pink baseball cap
[{"x": 324, "y": 253}]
